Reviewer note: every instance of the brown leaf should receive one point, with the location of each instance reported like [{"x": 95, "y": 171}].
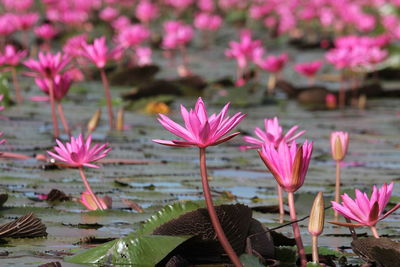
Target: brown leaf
[
  {"x": 132, "y": 205},
  {"x": 27, "y": 226},
  {"x": 383, "y": 251}
]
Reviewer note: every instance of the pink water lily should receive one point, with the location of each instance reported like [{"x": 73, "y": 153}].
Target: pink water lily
[
  {"x": 367, "y": 211},
  {"x": 273, "y": 134},
  {"x": 79, "y": 152},
  {"x": 200, "y": 129},
  {"x": 288, "y": 163},
  {"x": 308, "y": 69}
]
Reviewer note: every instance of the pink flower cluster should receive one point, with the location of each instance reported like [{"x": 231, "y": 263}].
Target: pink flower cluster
[{"x": 177, "y": 34}]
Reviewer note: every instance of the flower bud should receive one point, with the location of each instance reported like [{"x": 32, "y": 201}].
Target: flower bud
[
  {"x": 339, "y": 145},
  {"x": 317, "y": 216},
  {"x": 94, "y": 121},
  {"x": 120, "y": 120}
]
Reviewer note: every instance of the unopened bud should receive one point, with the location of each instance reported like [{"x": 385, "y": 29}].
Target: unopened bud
[
  {"x": 94, "y": 121},
  {"x": 317, "y": 216}
]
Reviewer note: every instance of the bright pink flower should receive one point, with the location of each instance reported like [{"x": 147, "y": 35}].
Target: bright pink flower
[
  {"x": 8, "y": 24},
  {"x": 46, "y": 31},
  {"x": 87, "y": 200},
  {"x": 143, "y": 56},
  {"x": 132, "y": 36},
  {"x": 177, "y": 34},
  {"x": 109, "y": 14},
  {"x": 61, "y": 84},
  {"x": 121, "y": 23},
  {"x": 287, "y": 163},
  {"x": 206, "y": 21},
  {"x": 11, "y": 56},
  {"x": 339, "y": 144},
  {"x": 26, "y": 21},
  {"x": 308, "y": 69},
  {"x": 200, "y": 129},
  {"x": 2, "y": 141},
  {"x": 73, "y": 46},
  {"x": 17, "y": 5},
  {"x": 98, "y": 52},
  {"x": 366, "y": 211},
  {"x": 339, "y": 57},
  {"x": 273, "y": 63},
  {"x": 78, "y": 153},
  {"x": 273, "y": 134},
  {"x": 146, "y": 11},
  {"x": 47, "y": 66}
]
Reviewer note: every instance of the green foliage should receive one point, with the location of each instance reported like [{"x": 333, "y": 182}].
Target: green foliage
[
  {"x": 250, "y": 261},
  {"x": 140, "y": 248},
  {"x": 286, "y": 255}
]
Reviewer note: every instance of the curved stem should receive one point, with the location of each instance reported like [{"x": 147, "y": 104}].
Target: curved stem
[
  {"x": 53, "y": 109},
  {"x": 63, "y": 120},
  {"x": 280, "y": 201},
  {"x": 315, "y": 255},
  {"x": 374, "y": 231},
  {"x": 16, "y": 86},
  {"x": 89, "y": 189},
  {"x": 213, "y": 215},
  {"x": 337, "y": 186},
  {"x": 108, "y": 98},
  {"x": 296, "y": 230}
]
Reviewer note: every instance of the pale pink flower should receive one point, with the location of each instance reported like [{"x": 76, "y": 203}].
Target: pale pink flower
[
  {"x": 287, "y": 163},
  {"x": 176, "y": 35},
  {"x": 73, "y": 46},
  {"x": 339, "y": 144},
  {"x": 206, "y": 5},
  {"x": 273, "y": 134},
  {"x": 200, "y": 129},
  {"x": 79, "y": 152},
  {"x": 143, "y": 56},
  {"x": 364, "y": 210},
  {"x": 206, "y": 21},
  {"x": 121, "y": 23}
]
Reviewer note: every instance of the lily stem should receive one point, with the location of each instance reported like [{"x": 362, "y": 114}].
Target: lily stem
[
  {"x": 213, "y": 215},
  {"x": 63, "y": 120},
  {"x": 56, "y": 132},
  {"x": 296, "y": 230},
  {"x": 280, "y": 202},
  {"x": 337, "y": 187},
  {"x": 16, "y": 86},
  {"x": 89, "y": 189},
  {"x": 374, "y": 231},
  {"x": 315, "y": 255},
  {"x": 108, "y": 98}
]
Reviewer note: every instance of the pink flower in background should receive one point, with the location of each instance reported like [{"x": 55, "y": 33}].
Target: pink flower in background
[
  {"x": 73, "y": 46},
  {"x": 308, "y": 69},
  {"x": 17, "y": 5},
  {"x": 176, "y": 35},
  {"x": 143, "y": 56},
  {"x": 288, "y": 163},
  {"x": 179, "y": 5},
  {"x": 46, "y": 31},
  {"x": 366, "y": 210},
  {"x": 146, "y": 11},
  {"x": 132, "y": 36},
  {"x": 109, "y": 14},
  {"x": 339, "y": 144},
  {"x": 98, "y": 52},
  {"x": 1, "y": 107},
  {"x": 79, "y": 152},
  {"x": 273, "y": 63},
  {"x": 8, "y": 24},
  {"x": 61, "y": 84},
  {"x": 200, "y": 129},
  {"x": 206, "y": 21},
  {"x": 11, "y": 56},
  {"x": 26, "y": 21},
  {"x": 206, "y": 5},
  {"x": 339, "y": 57},
  {"x": 121, "y": 23},
  {"x": 273, "y": 134}
]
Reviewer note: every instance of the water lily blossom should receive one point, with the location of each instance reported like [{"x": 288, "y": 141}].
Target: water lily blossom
[
  {"x": 367, "y": 211},
  {"x": 200, "y": 129}
]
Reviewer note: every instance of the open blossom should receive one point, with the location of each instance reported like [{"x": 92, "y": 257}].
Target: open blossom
[
  {"x": 200, "y": 129},
  {"x": 11, "y": 56},
  {"x": 79, "y": 152},
  {"x": 146, "y": 11},
  {"x": 206, "y": 21},
  {"x": 273, "y": 63},
  {"x": 367, "y": 211},
  {"x": 46, "y": 31},
  {"x": 339, "y": 144},
  {"x": 176, "y": 35},
  {"x": 109, "y": 14},
  {"x": 308, "y": 69},
  {"x": 273, "y": 134},
  {"x": 287, "y": 163},
  {"x": 61, "y": 84},
  {"x": 98, "y": 52},
  {"x": 73, "y": 46},
  {"x": 48, "y": 65}
]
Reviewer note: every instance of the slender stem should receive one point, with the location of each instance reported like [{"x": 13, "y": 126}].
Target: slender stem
[
  {"x": 63, "y": 120},
  {"x": 89, "y": 189},
  {"x": 213, "y": 215},
  {"x": 296, "y": 230},
  {"x": 280, "y": 201},
  {"x": 56, "y": 132},
  {"x": 16, "y": 85},
  {"x": 374, "y": 231},
  {"x": 271, "y": 83},
  {"x": 108, "y": 98},
  {"x": 342, "y": 93},
  {"x": 337, "y": 186},
  {"x": 315, "y": 255}
]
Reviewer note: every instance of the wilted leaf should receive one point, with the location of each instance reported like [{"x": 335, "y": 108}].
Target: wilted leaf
[{"x": 27, "y": 226}]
